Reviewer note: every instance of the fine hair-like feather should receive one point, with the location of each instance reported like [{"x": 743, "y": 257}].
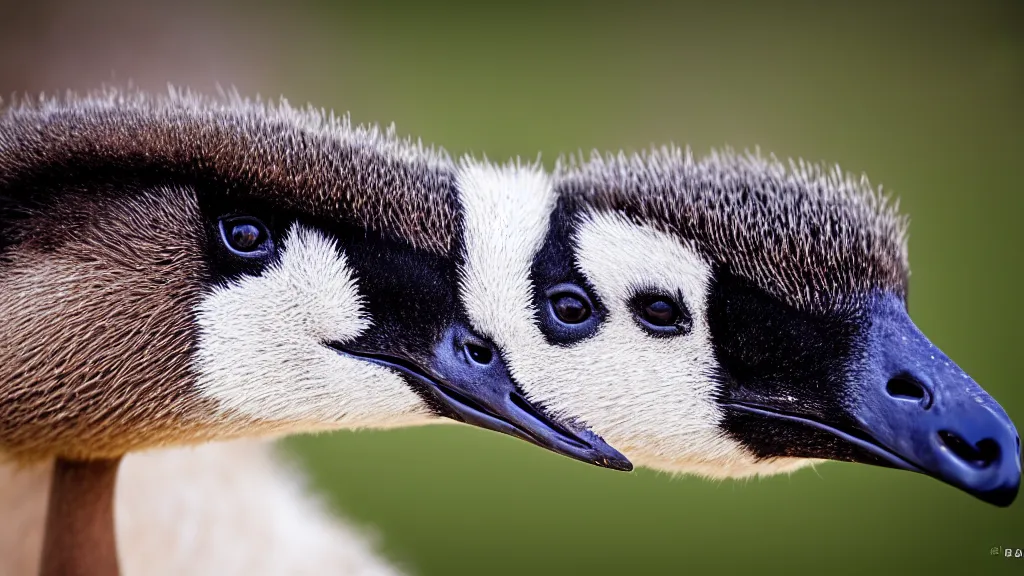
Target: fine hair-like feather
[
  {"x": 301, "y": 159},
  {"x": 801, "y": 231}
]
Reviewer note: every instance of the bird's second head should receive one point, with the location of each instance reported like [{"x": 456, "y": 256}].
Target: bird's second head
[{"x": 728, "y": 317}]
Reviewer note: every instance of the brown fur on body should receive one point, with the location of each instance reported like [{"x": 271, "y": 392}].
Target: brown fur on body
[
  {"x": 102, "y": 246},
  {"x": 98, "y": 332}
]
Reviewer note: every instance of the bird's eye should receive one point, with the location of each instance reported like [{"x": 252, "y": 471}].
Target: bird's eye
[
  {"x": 570, "y": 308},
  {"x": 661, "y": 315},
  {"x": 660, "y": 312},
  {"x": 245, "y": 236},
  {"x": 567, "y": 313}
]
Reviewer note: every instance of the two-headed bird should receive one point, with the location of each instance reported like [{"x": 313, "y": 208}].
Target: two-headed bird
[{"x": 177, "y": 270}]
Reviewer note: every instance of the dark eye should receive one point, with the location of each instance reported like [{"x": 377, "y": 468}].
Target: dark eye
[
  {"x": 661, "y": 315},
  {"x": 660, "y": 312},
  {"x": 570, "y": 308},
  {"x": 245, "y": 236},
  {"x": 568, "y": 313}
]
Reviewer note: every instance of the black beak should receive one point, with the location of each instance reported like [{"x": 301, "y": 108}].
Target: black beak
[
  {"x": 469, "y": 382},
  {"x": 908, "y": 406}
]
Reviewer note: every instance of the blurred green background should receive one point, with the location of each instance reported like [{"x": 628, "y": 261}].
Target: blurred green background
[{"x": 924, "y": 97}]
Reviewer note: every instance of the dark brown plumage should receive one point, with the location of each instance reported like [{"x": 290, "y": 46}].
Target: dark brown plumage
[
  {"x": 303, "y": 160},
  {"x": 97, "y": 334}
]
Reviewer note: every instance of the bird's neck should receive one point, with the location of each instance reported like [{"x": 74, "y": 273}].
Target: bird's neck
[{"x": 79, "y": 537}]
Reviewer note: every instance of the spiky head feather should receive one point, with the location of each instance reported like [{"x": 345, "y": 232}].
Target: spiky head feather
[
  {"x": 805, "y": 233},
  {"x": 300, "y": 159}
]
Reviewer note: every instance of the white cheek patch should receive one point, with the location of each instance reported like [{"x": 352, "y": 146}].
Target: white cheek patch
[
  {"x": 664, "y": 387},
  {"x": 651, "y": 398},
  {"x": 261, "y": 354}
]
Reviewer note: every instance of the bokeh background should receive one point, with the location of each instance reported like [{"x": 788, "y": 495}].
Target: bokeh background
[{"x": 927, "y": 98}]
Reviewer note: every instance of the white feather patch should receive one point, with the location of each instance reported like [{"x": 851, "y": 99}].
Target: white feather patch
[
  {"x": 262, "y": 354},
  {"x": 231, "y": 508}
]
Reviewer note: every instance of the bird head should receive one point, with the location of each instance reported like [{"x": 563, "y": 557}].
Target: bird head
[{"x": 730, "y": 316}]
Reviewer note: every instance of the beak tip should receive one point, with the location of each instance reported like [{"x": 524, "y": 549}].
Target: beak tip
[
  {"x": 600, "y": 453},
  {"x": 1001, "y": 497},
  {"x": 616, "y": 463}
]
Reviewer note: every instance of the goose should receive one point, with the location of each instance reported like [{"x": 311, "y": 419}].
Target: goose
[
  {"x": 688, "y": 381},
  {"x": 582, "y": 241},
  {"x": 675, "y": 411},
  {"x": 177, "y": 269},
  {"x": 727, "y": 316}
]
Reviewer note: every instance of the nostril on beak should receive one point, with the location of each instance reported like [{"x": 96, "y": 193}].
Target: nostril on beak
[
  {"x": 478, "y": 354},
  {"x": 980, "y": 455},
  {"x": 907, "y": 388}
]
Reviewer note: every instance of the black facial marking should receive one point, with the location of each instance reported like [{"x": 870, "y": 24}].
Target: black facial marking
[
  {"x": 796, "y": 362},
  {"x": 409, "y": 310},
  {"x": 567, "y": 307}
]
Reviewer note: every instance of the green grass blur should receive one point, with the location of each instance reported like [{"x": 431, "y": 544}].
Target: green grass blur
[{"x": 924, "y": 97}]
